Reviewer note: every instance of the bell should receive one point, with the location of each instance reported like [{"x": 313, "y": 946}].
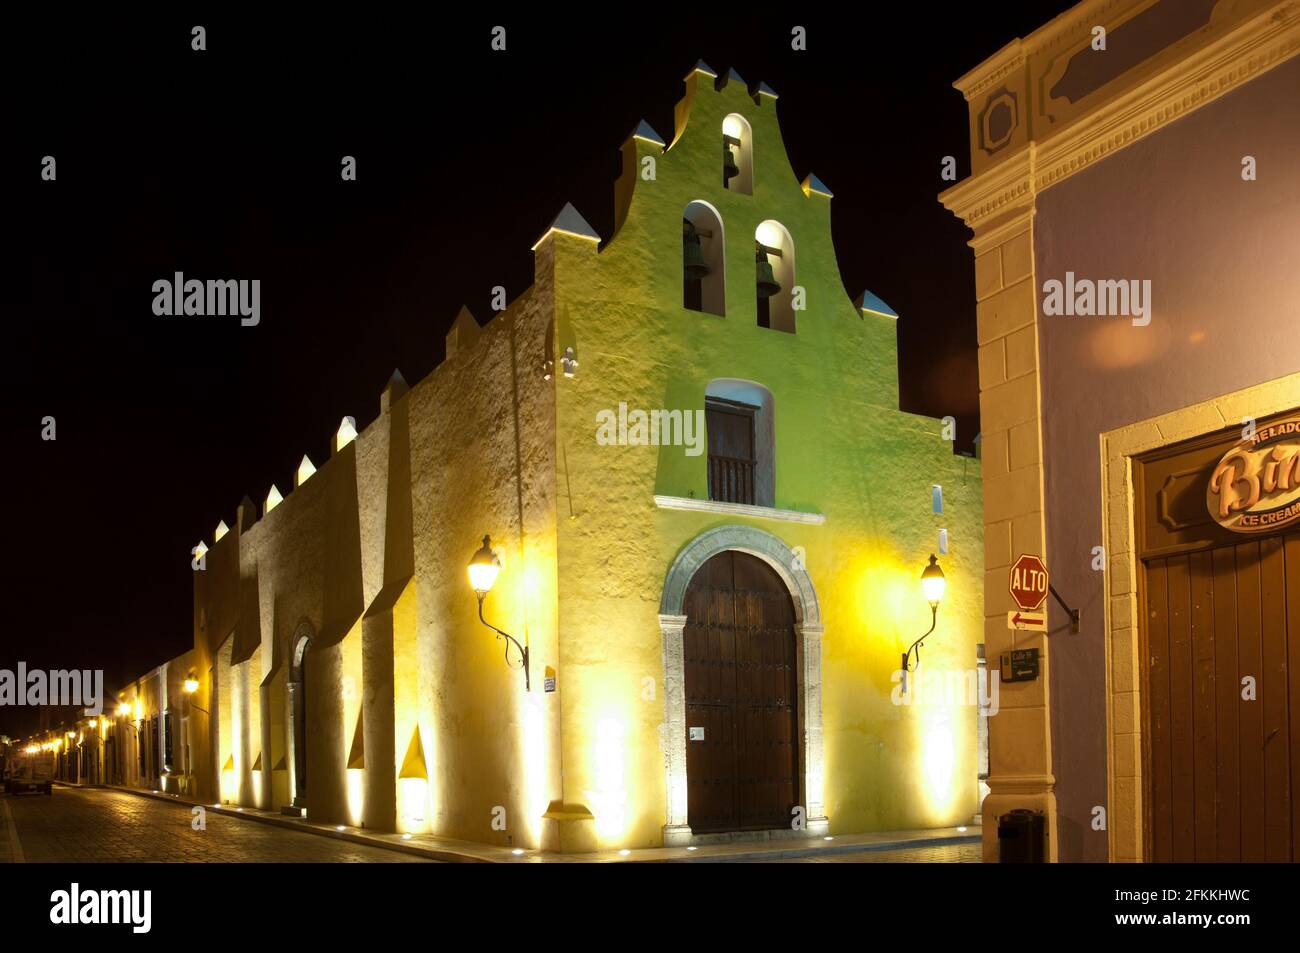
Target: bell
[
  {"x": 729, "y": 168},
  {"x": 693, "y": 264},
  {"x": 767, "y": 285}
]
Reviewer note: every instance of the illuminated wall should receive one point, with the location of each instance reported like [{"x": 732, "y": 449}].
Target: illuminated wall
[
  {"x": 843, "y": 449},
  {"x": 415, "y": 721}
]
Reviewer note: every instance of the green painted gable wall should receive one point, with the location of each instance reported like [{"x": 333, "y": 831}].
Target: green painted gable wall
[{"x": 843, "y": 449}]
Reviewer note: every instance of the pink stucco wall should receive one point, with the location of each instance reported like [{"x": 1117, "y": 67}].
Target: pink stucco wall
[{"x": 1223, "y": 256}]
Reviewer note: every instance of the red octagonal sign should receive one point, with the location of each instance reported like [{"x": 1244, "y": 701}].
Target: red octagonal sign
[{"x": 1028, "y": 582}]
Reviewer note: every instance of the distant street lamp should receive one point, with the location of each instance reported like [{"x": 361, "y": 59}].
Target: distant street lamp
[
  {"x": 483, "y": 570},
  {"x": 190, "y": 686},
  {"x": 932, "y": 584}
]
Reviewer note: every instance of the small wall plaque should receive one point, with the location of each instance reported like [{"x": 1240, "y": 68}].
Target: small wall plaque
[{"x": 1020, "y": 665}]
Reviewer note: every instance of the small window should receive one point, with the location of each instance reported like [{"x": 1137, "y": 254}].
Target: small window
[
  {"x": 943, "y": 542},
  {"x": 732, "y": 460},
  {"x": 739, "y": 421},
  {"x": 168, "y": 763},
  {"x": 153, "y": 746},
  {"x": 936, "y": 498}
]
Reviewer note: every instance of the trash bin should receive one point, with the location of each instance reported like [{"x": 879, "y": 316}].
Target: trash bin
[{"x": 1022, "y": 837}]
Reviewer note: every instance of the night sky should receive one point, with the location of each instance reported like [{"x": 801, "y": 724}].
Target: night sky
[{"x": 225, "y": 164}]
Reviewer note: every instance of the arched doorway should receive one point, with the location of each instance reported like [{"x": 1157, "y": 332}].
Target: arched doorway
[
  {"x": 741, "y": 671},
  {"x": 788, "y": 566},
  {"x": 298, "y": 701}
]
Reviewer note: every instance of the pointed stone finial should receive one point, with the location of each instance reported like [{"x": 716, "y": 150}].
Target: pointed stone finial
[
  {"x": 569, "y": 222},
  {"x": 393, "y": 391},
  {"x": 222, "y": 530},
  {"x": 245, "y": 514},
  {"x": 766, "y": 90},
  {"x": 305, "y": 469},
  {"x": 815, "y": 186},
  {"x": 346, "y": 433},
  {"x": 869, "y": 303},
  {"x": 734, "y": 77},
  {"x": 273, "y": 499},
  {"x": 702, "y": 67},
  {"x": 464, "y": 332},
  {"x": 646, "y": 132}
]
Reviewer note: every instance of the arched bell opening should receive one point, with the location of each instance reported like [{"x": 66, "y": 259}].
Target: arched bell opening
[
  {"x": 774, "y": 276},
  {"x": 704, "y": 285},
  {"x": 737, "y": 155}
]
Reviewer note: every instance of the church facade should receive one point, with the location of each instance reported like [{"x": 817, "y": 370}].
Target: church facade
[{"x": 679, "y": 469}]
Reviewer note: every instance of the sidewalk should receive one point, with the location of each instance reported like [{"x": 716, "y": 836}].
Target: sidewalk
[
  {"x": 458, "y": 851},
  {"x": 11, "y": 849}
]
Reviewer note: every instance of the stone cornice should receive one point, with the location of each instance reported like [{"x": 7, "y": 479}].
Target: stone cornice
[
  {"x": 993, "y": 70},
  {"x": 1004, "y": 186},
  {"x": 1063, "y": 30},
  {"x": 736, "y": 509},
  {"x": 1259, "y": 44},
  {"x": 1078, "y": 21}
]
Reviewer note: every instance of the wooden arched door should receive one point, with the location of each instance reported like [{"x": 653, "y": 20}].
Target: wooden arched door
[{"x": 742, "y": 694}]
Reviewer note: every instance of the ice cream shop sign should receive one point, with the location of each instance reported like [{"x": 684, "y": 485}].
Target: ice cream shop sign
[{"x": 1255, "y": 487}]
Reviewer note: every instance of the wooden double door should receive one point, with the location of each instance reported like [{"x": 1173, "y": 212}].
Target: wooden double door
[
  {"x": 1220, "y": 644},
  {"x": 741, "y": 668},
  {"x": 1224, "y": 649}
]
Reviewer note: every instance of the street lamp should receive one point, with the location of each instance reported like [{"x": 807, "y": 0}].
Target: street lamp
[
  {"x": 932, "y": 584},
  {"x": 483, "y": 570},
  {"x": 190, "y": 686}
]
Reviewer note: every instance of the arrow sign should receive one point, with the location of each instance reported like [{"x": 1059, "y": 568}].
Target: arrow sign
[{"x": 1031, "y": 621}]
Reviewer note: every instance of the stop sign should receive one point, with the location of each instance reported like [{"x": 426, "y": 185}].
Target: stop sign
[{"x": 1028, "y": 581}]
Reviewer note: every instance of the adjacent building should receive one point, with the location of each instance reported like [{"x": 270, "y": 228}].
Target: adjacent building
[{"x": 1135, "y": 203}]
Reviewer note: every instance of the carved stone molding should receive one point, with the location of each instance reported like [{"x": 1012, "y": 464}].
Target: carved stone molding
[
  {"x": 808, "y": 629},
  {"x": 1256, "y": 45}
]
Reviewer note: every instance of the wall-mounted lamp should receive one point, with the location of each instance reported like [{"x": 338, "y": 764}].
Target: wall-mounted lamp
[
  {"x": 191, "y": 685},
  {"x": 932, "y": 584},
  {"x": 483, "y": 570}
]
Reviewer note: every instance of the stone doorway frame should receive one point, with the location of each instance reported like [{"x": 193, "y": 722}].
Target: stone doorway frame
[
  {"x": 1125, "y": 671},
  {"x": 299, "y": 646},
  {"x": 808, "y": 645}
]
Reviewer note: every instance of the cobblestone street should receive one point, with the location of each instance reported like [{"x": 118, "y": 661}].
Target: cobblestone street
[
  {"x": 945, "y": 854},
  {"x": 98, "y": 825}
]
